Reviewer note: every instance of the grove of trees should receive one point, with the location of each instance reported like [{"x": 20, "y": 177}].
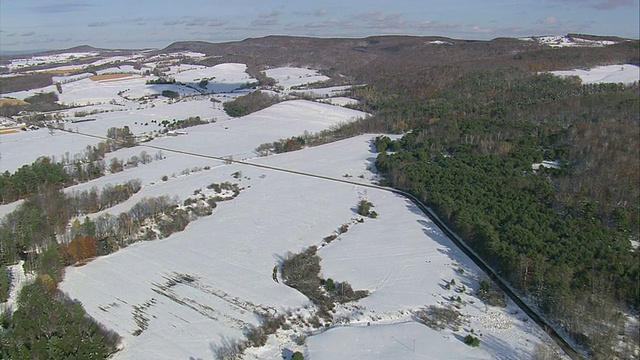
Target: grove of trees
[
  {"x": 247, "y": 104},
  {"x": 49, "y": 325}
]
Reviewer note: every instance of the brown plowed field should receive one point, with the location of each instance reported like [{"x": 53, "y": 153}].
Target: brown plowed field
[{"x": 109, "y": 77}]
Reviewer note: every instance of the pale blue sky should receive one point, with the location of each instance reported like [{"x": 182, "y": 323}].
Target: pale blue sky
[{"x": 58, "y": 24}]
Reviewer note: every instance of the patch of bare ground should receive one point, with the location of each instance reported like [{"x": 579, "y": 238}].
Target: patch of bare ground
[
  {"x": 109, "y": 77},
  {"x": 10, "y": 101},
  {"x": 10, "y": 130},
  {"x": 59, "y": 71}
]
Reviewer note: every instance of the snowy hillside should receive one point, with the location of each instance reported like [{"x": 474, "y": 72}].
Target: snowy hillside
[
  {"x": 288, "y": 77},
  {"x": 569, "y": 41},
  {"x": 626, "y": 74},
  {"x": 231, "y": 254},
  {"x": 193, "y": 293}
]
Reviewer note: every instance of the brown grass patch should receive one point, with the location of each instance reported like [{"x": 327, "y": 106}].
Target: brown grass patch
[
  {"x": 60, "y": 71},
  {"x": 10, "y": 130},
  {"x": 9, "y": 101},
  {"x": 107, "y": 77}
]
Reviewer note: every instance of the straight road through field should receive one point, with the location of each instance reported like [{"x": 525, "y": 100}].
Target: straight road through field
[{"x": 504, "y": 286}]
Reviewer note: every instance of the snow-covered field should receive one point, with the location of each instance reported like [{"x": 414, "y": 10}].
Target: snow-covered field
[
  {"x": 125, "y": 69},
  {"x": 82, "y": 90},
  {"x": 626, "y": 74},
  {"x": 288, "y": 77},
  {"x": 329, "y": 92},
  {"x": 49, "y": 59},
  {"x": 25, "y": 147},
  {"x": 341, "y": 101},
  {"x": 566, "y": 41},
  {"x": 401, "y": 257},
  {"x": 225, "y": 137},
  {"x": 221, "y": 78}
]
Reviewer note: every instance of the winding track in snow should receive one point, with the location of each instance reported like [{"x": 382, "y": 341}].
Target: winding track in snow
[{"x": 539, "y": 319}]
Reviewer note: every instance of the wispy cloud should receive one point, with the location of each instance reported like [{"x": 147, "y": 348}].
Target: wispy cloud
[
  {"x": 612, "y": 4},
  {"x": 382, "y": 20},
  {"x": 97, "y": 24},
  {"x": 218, "y": 22},
  {"x": 316, "y": 13},
  {"x": 267, "y": 19},
  {"x": 57, "y": 8},
  {"x": 195, "y": 21},
  {"x": 438, "y": 27},
  {"x": 321, "y": 12},
  {"x": 140, "y": 21},
  {"x": 329, "y": 23},
  {"x": 481, "y": 29},
  {"x": 600, "y": 4},
  {"x": 30, "y": 33},
  {"x": 549, "y": 20}
]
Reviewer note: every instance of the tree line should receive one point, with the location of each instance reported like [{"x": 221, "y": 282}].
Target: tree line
[
  {"x": 47, "y": 323},
  {"x": 247, "y": 104},
  {"x": 45, "y": 172}
]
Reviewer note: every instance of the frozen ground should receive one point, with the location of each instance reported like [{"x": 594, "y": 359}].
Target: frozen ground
[
  {"x": 18, "y": 279},
  {"x": 333, "y": 91},
  {"x": 408, "y": 340},
  {"x": 566, "y": 41},
  {"x": 48, "y": 59},
  {"x": 290, "y": 76},
  {"x": 221, "y": 78},
  {"x": 401, "y": 258},
  {"x": 226, "y": 137},
  {"x": 341, "y": 101},
  {"x": 25, "y": 147},
  {"x": 124, "y": 69},
  {"x": 239, "y": 137},
  {"x": 136, "y": 119},
  {"x": 626, "y": 74},
  {"x": 232, "y": 252},
  {"x": 548, "y": 164},
  {"x": 81, "y": 90}
]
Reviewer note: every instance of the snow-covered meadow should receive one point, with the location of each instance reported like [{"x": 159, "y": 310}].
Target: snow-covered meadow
[
  {"x": 400, "y": 257},
  {"x": 84, "y": 90},
  {"x": 189, "y": 294},
  {"x": 220, "y": 78},
  {"x": 224, "y": 137},
  {"x": 626, "y": 74},
  {"x": 289, "y": 77},
  {"x": 568, "y": 41},
  {"x": 25, "y": 147},
  {"x": 18, "y": 64}
]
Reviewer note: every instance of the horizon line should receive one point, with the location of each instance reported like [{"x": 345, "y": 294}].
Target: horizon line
[{"x": 4, "y": 52}]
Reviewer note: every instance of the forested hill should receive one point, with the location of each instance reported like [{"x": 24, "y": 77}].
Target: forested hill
[{"x": 409, "y": 64}]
